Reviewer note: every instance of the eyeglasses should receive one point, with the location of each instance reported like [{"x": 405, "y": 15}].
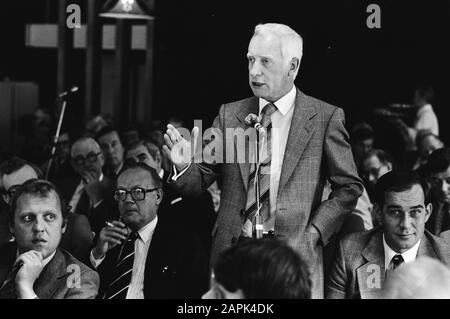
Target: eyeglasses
[
  {"x": 91, "y": 158},
  {"x": 136, "y": 193}
]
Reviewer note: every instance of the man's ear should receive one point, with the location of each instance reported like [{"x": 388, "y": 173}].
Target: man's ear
[
  {"x": 159, "y": 196},
  {"x": 428, "y": 210},
  {"x": 294, "y": 65}
]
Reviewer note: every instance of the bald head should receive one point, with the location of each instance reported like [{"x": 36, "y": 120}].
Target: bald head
[{"x": 425, "y": 278}]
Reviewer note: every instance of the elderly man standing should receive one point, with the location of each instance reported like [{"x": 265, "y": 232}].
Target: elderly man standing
[
  {"x": 309, "y": 146},
  {"x": 33, "y": 266},
  {"x": 363, "y": 260}
]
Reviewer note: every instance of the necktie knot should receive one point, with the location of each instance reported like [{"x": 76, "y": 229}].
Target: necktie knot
[
  {"x": 132, "y": 237},
  {"x": 266, "y": 112},
  {"x": 397, "y": 260}
]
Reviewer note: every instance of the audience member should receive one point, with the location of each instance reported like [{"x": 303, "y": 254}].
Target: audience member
[
  {"x": 260, "y": 269},
  {"x": 109, "y": 140},
  {"x": 77, "y": 239},
  {"x": 437, "y": 170},
  {"x": 362, "y": 139},
  {"x": 174, "y": 205},
  {"x": 143, "y": 256},
  {"x": 90, "y": 192},
  {"x": 362, "y": 259},
  {"x": 426, "y": 143},
  {"x": 425, "y": 278},
  {"x": 33, "y": 266}
]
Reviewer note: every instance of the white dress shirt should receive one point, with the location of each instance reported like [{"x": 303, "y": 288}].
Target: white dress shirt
[
  {"x": 141, "y": 246},
  {"x": 408, "y": 256}
]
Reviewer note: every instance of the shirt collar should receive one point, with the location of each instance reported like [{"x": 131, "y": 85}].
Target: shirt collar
[
  {"x": 161, "y": 173},
  {"x": 408, "y": 256},
  {"x": 146, "y": 232},
  {"x": 284, "y": 104}
]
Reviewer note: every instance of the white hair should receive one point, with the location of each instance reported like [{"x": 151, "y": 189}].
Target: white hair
[
  {"x": 88, "y": 140},
  {"x": 291, "y": 41}
]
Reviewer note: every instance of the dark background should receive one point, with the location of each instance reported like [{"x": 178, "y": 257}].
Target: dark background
[{"x": 200, "y": 52}]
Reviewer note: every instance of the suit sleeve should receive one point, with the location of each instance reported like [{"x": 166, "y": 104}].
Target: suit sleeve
[
  {"x": 346, "y": 186},
  {"x": 88, "y": 289},
  {"x": 336, "y": 281},
  {"x": 199, "y": 176}
]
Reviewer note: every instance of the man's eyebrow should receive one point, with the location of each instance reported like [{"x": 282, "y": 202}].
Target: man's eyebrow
[{"x": 412, "y": 207}]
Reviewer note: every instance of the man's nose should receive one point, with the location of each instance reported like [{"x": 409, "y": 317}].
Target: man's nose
[
  {"x": 38, "y": 225},
  {"x": 406, "y": 221},
  {"x": 254, "y": 69}
]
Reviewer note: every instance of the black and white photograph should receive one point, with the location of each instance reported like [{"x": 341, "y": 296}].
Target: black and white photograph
[{"x": 251, "y": 151}]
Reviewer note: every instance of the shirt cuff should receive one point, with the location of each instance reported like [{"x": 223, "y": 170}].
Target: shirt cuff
[
  {"x": 95, "y": 262},
  {"x": 176, "y": 175}
]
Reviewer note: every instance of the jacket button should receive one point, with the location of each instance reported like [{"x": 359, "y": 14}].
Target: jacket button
[
  {"x": 242, "y": 211},
  {"x": 233, "y": 240}
]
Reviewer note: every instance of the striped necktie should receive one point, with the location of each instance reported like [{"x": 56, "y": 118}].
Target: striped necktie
[
  {"x": 121, "y": 277},
  {"x": 264, "y": 176}
]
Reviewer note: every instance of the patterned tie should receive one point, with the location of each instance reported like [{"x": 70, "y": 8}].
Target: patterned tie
[
  {"x": 121, "y": 278},
  {"x": 264, "y": 176},
  {"x": 396, "y": 261}
]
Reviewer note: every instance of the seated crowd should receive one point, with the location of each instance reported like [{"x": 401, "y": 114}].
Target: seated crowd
[{"x": 103, "y": 221}]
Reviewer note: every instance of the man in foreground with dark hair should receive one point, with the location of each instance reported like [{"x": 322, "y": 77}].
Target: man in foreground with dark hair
[
  {"x": 33, "y": 266},
  {"x": 262, "y": 268},
  {"x": 364, "y": 259}
]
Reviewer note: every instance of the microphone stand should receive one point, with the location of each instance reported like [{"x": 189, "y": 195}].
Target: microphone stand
[
  {"x": 258, "y": 231},
  {"x": 56, "y": 137}
]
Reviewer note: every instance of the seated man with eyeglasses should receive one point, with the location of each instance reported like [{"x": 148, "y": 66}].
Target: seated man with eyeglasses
[
  {"x": 90, "y": 192},
  {"x": 141, "y": 256}
]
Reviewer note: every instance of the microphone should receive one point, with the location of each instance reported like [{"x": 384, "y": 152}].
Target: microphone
[
  {"x": 72, "y": 90},
  {"x": 252, "y": 119}
]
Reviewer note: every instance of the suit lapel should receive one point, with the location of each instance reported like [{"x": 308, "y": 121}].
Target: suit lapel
[
  {"x": 8, "y": 256},
  {"x": 51, "y": 277},
  {"x": 299, "y": 134},
  {"x": 370, "y": 276},
  {"x": 243, "y": 111},
  {"x": 426, "y": 248}
]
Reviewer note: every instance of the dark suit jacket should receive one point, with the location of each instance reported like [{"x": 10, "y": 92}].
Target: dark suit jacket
[
  {"x": 78, "y": 237},
  {"x": 358, "y": 269},
  {"x": 175, "y": 267},
  {"x": 176, "y": 207},
  {"x": 106, "y": 210},
  {"x": 55, "y": 279},
  {"x": 317, "y": 149}
]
